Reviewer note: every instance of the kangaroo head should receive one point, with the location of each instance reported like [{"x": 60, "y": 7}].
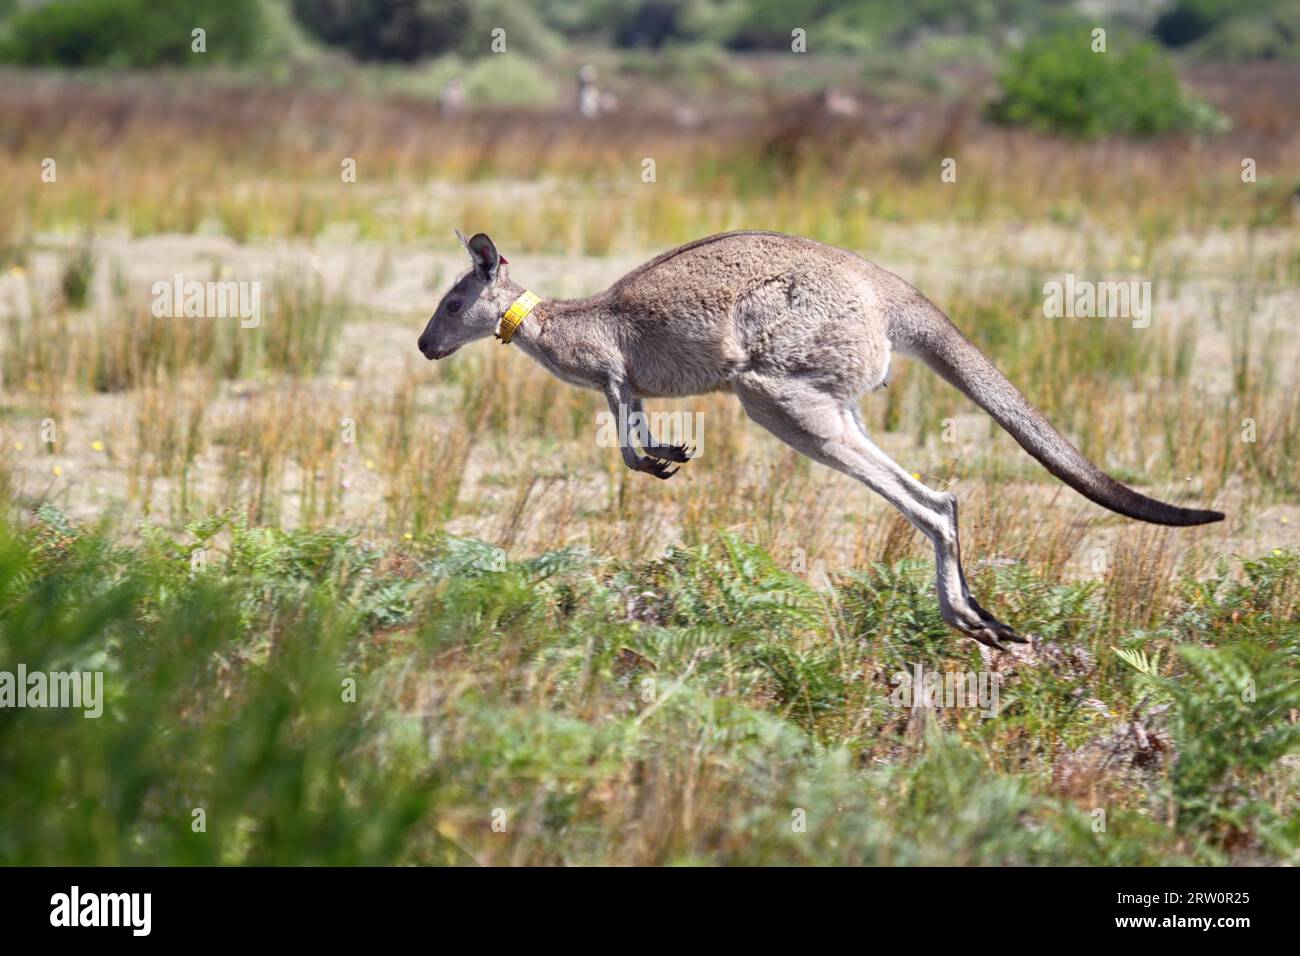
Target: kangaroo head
[{"x": 474, "y": 305}]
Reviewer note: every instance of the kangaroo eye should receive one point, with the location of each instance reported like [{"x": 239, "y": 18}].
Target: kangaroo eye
[{"x": 453, "y": 306}]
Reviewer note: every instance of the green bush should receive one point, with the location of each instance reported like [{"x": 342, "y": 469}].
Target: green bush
[
  {"x": 131, "y": 33},
  {"x": 1059, "y": 85},
  {"x": 405, "y": 31},
  {"x": 507, "y": 81}
]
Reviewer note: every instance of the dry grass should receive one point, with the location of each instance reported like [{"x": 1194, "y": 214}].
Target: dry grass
[
  {"x": 256, "y": 162},
  {"x": 223, "y": 418}
]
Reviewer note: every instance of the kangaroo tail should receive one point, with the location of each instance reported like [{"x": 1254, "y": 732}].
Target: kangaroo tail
[{"x": 925, "y": 332}]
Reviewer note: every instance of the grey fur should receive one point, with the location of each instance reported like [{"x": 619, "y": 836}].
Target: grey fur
[{"x": 799, "y": 331}]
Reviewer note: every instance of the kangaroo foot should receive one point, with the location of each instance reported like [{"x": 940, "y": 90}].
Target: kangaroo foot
[
  {"x": 1004, "y": 631},
  {"x": 658, "y": 467},
  {"x": 974, "y": 621},
  {"x": 677, "y": 453}
]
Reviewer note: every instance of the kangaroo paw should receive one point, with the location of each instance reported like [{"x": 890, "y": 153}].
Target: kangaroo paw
[
  {"x": 977, "y": 623},
  {"x": 987, "y": 638},
  {"x": 658, "y": 467},
  {"x": 677, "y": 453},
  {"x": 1004, "y": 631}
]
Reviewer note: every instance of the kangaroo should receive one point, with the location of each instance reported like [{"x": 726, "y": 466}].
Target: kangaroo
[{"x": 798, "y": 330}]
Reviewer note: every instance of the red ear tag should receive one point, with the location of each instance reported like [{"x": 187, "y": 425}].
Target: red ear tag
[{"x": 503, "y": 258}]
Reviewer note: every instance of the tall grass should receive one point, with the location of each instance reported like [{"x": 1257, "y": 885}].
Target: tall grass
[{"x": 122, "y": 344}]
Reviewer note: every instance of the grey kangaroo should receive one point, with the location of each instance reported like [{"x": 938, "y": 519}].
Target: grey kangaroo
[{"x": 798, "y": 330}]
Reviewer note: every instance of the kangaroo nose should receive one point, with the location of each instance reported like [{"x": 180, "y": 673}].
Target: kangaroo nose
[{"x": 424, "y": 343}]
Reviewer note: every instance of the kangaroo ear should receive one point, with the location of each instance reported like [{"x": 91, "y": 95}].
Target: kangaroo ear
[
  {"x": 485, "y": 257},
  {"x": 461, "y": 236}
]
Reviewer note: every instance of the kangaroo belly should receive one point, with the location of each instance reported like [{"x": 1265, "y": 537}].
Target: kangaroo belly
[
  {"x": 696, "y": 355},
  {"x": 683, "y": 372}
]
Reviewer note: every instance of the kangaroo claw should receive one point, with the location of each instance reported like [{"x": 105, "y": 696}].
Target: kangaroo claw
[
  {"x": 658, "y": 467},
  {"x": 677, "y": 453},
  {"x": 983, "y": 626},
  {"x": 1003, "y": 631}
]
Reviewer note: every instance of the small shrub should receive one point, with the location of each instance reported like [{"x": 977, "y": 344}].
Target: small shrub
[
  {"x": 507, "y": 82},
  {"x": 77, "y": 273},
  {"x": 1232, "y": 726},
  {"x": 1059, "y": 85}
]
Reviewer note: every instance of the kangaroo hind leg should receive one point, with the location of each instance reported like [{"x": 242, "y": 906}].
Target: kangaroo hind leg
[{"x": 828, "y": 430}]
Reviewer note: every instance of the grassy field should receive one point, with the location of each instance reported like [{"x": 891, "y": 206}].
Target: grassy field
[{"x": 360, "y": 608}]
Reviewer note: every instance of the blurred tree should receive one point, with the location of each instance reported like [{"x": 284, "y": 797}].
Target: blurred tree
[
  {"x": 131, "y": 33},
  {"x": 1272, "y": 36},
  {"x": 649, "y": 24},
  {"x": 405, "y": 30},
  {"x": 1233, "y": 30},
  {"x": 859, "y": 24},
  {"x": 410, "y": 30},
  {"x": 1189, "y": 20}
]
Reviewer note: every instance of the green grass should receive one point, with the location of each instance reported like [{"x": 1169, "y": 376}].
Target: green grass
[{"x": 691, "y": 709}]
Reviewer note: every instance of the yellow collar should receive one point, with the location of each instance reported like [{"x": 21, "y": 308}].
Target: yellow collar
[{"x": 515, "y": 316}]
